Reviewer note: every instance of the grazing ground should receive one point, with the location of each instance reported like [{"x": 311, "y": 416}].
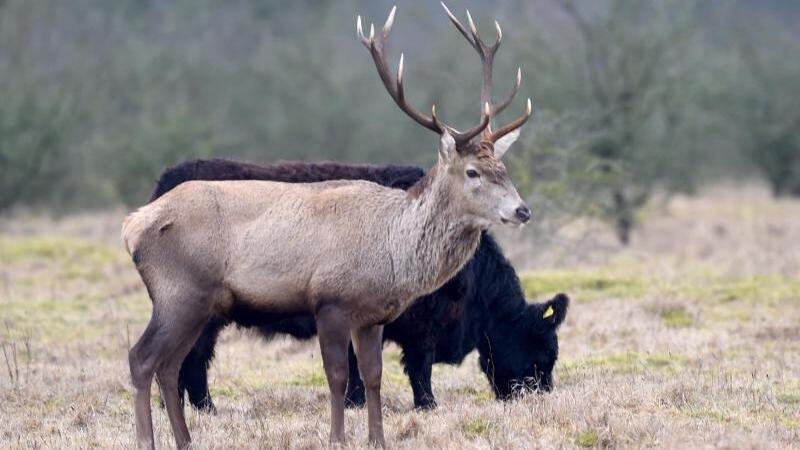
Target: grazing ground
[{"x": 690, "y": 338}]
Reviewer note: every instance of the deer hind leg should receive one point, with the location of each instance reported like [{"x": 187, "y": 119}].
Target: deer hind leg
[
  {"x": 368, "y": 342},
  {"x": 143, "y": 358},
  {"x": 334, "y": 335},
  {"x": 173, "y": 328}
]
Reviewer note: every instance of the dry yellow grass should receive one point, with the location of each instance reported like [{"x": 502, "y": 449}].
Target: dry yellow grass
[{"x": 689, "y": 339}]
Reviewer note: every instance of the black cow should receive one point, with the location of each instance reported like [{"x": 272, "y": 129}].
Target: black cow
[{"x": 482, "y": 307}]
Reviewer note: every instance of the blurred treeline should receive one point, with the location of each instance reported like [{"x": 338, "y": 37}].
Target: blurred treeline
[{"x": 630, "y": 96}]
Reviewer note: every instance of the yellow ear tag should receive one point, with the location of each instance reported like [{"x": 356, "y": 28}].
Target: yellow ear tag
[{"x": 548, "y": 312}]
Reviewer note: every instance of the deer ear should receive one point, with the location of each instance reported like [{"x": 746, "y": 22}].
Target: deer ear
[
  {"x": 502, "y": 144},
  {"x": 447, "y": 148}
]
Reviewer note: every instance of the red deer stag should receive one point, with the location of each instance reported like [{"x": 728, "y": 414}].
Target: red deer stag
[{"x": 352, "y": 253}]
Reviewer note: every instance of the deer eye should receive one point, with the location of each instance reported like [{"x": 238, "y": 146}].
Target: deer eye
[{"x": 473, "y": 173}]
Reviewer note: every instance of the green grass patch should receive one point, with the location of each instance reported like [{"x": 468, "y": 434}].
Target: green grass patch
[
  {"x": 395, "y": 376},
  {"x": 310, "y": 378},
  {"x": 481, "y": 396},
  {"x": 725, "y": 313},
  {"x": 126, "y": 395},
  {"x": 478, "y": 428},
  {"x": 54, "y": 320},
  {"x": 392, "y": 357},
  {"x": 393, "y": 369},
  {"x": 584, "y": 285},
  {"x": 624, "y": 363},
  {"x": 760, "y": 288},
  {"x": 61, "y": 249},
  {"x": 46, "y": 262},
  {"x": 260, "y": 376},
  {"x": 712, "y": 414},
  {"x": 52, "y": 405},
  {"x": 79, "y": 319},
  {"x": 62, "y": 290},
  {"x": 155, "y": 399},
  {"x": 790, "y": 394},
  {"x": 586, "y": 439},
  {"x": 789, "y": 422},
  {"x": 224, "y": 392},
  {"x": 789, "y": 399},
  {"x": 588, "y": 284},
  {"x": 676, "y": 317}
]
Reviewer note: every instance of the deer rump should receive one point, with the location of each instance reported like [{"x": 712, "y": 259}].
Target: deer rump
[{"x": 442, "y": 327}]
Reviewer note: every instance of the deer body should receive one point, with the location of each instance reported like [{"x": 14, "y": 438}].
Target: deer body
[
  {"x": 353, "y": 253},
  {"x": 289, "y": 247}
]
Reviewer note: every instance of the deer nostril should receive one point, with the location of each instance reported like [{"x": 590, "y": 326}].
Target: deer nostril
[{"x": 523, "y": 214}]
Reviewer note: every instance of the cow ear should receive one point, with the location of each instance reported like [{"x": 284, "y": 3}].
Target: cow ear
[
  {"x": 554, "y": 311},
  {"x": 547, "y": 316}
]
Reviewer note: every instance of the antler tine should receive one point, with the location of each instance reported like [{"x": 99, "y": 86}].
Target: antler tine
[
  {"x": 359, "y": 30},
  {"x": 507, "y": 101},
  {"x": 494, "y": 136},
  {"x": 376, "y": 46},
  {"x": 473, "y": 29},
  {"x": 467, "y": 136},
  {"x": 460, "y": 27},
  {"x": 487, "y": 57},
  {"x": 389, "y": 22},
  {"x": 395, "y": 88}
]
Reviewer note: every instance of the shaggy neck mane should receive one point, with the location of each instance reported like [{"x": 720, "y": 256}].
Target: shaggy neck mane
[
  {"x": 434, "y": 233},
  {"x": 416, "y": 190}
]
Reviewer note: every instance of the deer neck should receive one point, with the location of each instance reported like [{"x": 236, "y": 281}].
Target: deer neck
[{"x": 436, "y": 237}]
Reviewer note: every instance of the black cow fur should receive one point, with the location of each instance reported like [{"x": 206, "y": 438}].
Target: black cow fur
[
  {"x": 400, "y": 177},
  {"x": 482, "y": 307}
]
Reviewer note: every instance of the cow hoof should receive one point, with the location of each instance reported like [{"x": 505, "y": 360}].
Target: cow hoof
[
  {"x": 205, "y": 406},
  {"x": 209, "y": 409},
  {"x": 427, "y": 405}
]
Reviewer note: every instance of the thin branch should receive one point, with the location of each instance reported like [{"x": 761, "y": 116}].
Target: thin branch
[{"x": 593, "y": 50}]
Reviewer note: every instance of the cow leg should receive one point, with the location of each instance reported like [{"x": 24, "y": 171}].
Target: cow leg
[
  {"x": 334, "y": 330},
  {"x": 193, "y": 375},
  {"x": 354, "y": 398},
  {"x": 418, "y": 366},
  {"x": 368, "y": 342}
]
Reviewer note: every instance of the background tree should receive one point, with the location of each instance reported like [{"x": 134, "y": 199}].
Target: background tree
[
  {"x": 768, "y": 112},
  {"x": 634, "y": 61},
  {"x": 630, "y": 97}
]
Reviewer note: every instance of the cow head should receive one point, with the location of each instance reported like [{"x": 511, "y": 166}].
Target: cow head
[{"x": 521, "y": 356}]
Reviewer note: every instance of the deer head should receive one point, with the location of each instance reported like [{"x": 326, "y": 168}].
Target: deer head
[{"x": 469, "y": 161}]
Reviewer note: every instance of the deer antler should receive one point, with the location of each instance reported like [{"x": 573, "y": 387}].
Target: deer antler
[
  {"x": 487, "y": 59},
  {"x": 376, "y": 47}
]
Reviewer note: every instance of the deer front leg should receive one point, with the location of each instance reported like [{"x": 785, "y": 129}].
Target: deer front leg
[
  {"x": 368, "y": 342},
  {"x": 334, "y": 334}
]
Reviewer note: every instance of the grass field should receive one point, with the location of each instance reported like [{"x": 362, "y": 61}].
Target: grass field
[{"x": 690, "y": 338}]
